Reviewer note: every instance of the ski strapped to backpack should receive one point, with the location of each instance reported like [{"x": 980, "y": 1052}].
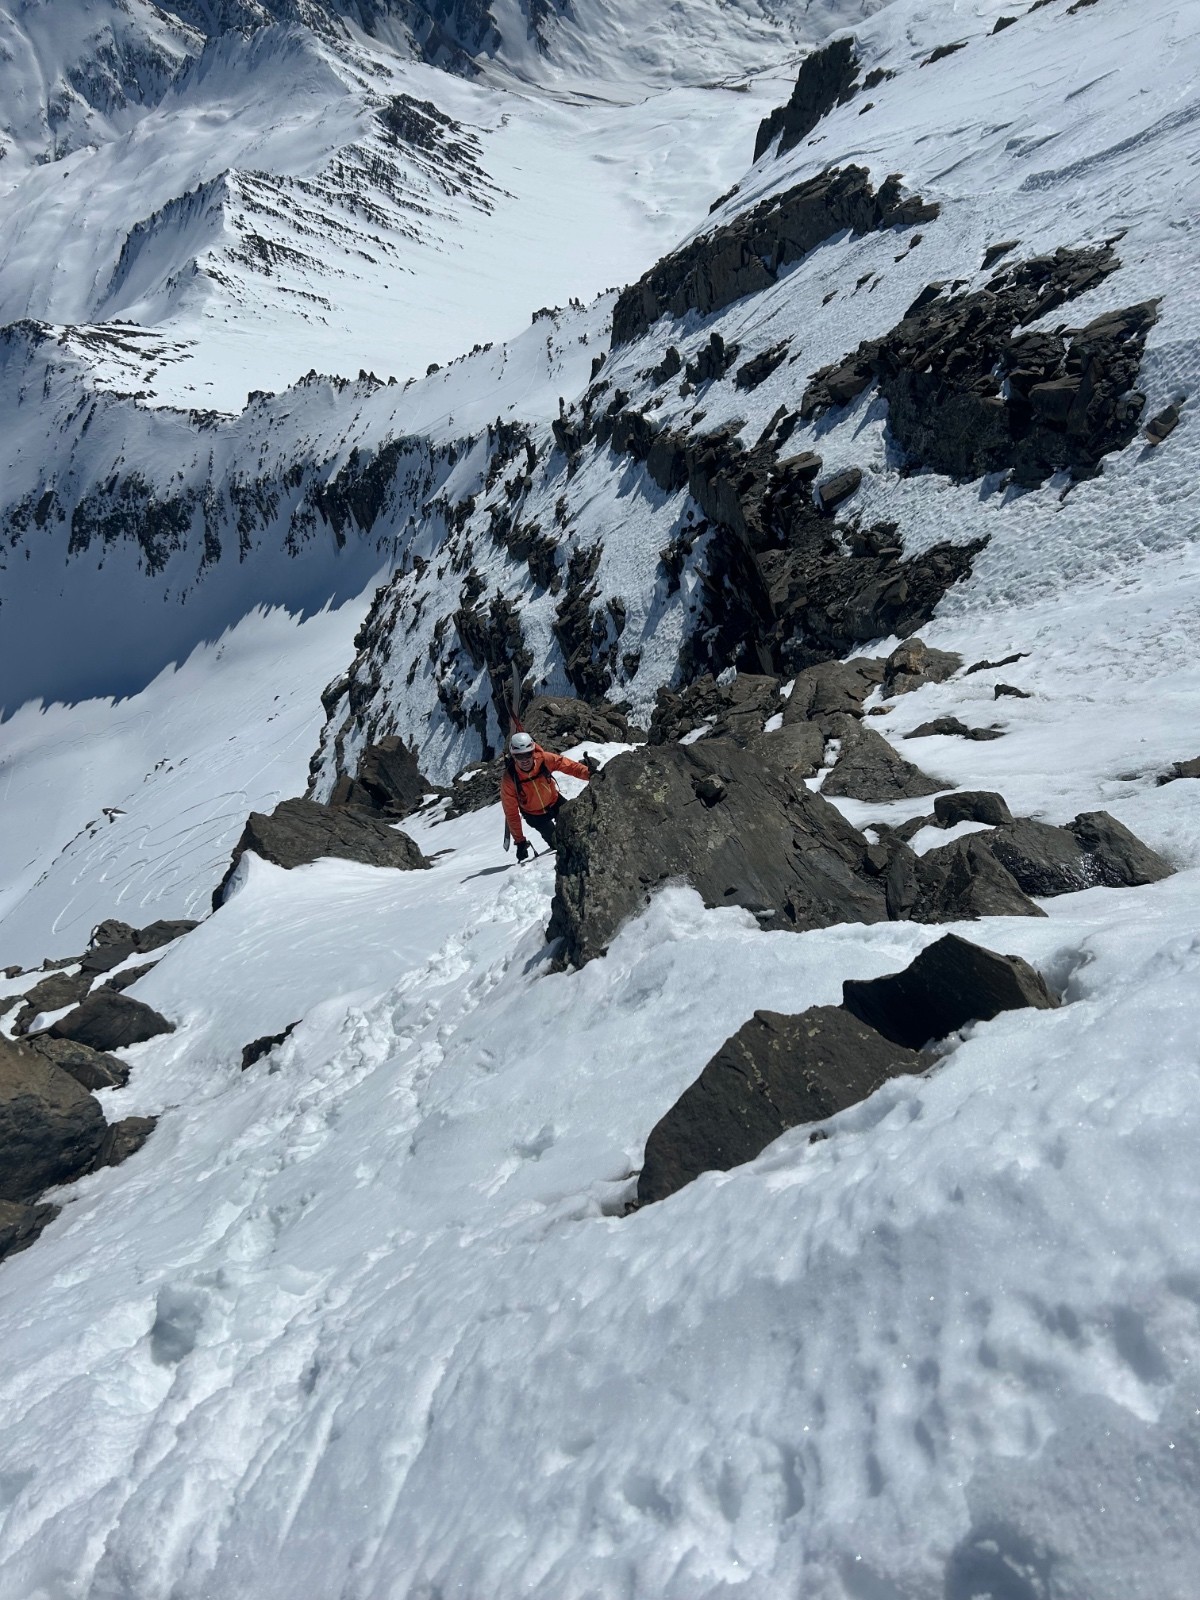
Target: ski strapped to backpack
[{"x": 515, "y": 725}]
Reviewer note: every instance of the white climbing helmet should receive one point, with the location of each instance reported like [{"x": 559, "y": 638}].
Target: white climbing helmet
[{"x": 521, "y": 744}]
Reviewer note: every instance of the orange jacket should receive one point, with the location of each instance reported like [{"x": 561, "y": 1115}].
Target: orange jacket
[{"x": 536, "y": 793}]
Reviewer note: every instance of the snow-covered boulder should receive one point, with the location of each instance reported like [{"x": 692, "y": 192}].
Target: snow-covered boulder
[{"x": 300, "y": 831}]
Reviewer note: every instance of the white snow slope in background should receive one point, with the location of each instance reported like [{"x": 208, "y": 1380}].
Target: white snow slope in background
[{"x": 367, "y": 1321}]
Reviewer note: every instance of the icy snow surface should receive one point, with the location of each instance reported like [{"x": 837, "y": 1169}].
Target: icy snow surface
[{"x": 368, "y": 1320}]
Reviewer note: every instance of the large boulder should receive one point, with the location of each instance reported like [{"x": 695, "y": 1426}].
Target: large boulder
[
  {"x": 92, "y": 1068},
  {"x": 951, "y": 983},
  {"x": 1093, "y": 850},
  {"x": 1118, "y": 857},
  {"x": 389, "y": 782},
  {"x": 971, "y": 805},
  {"x": 715, "y": 816},
  {"x": 110, "y": 1021},
  {"x": 962, "y": 881},
  {"x": 51, "y": 1130},
  {"x": 775, "y": 1073},
  {"x": 868, "y": 768},
  {"x": 301, "y": 831}
]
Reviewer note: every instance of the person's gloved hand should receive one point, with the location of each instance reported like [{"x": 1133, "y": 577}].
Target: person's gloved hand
[
  {"x": 522, "y": 849},
  {"x": 591, "y": 763}
]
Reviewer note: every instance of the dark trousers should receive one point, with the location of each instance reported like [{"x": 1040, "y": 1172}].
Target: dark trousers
[{"x": 545, "y": 824}]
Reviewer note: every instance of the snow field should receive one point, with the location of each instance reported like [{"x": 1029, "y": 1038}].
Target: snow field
[
  {"x": 131, "y": 808},
  {"x": 387, "y": 1331}
]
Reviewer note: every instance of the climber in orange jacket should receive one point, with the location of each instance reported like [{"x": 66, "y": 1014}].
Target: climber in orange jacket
[{"x": 529, "y": 792}]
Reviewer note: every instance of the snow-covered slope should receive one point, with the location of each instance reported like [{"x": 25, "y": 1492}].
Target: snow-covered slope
[
  {"x": 292, "y": 195},
  {"x": 369, "y": 1319}
]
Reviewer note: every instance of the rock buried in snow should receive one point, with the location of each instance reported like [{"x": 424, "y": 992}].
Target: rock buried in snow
[
  {"x": 113, "y": 942},
  {"x": 951, "y": 983},
  {"x": 766, "y": 845},
  {"x": 110, "y": 1021},
  {"x": 868, "y": 768},
  {"x": 20, "y": 1225},
  {"x": 775, "y": 1073},
  {"x": 258, "y": 1048},
  {"x": 301, "y": 831},
  {"x": 51, "y": 994},
  {"x": 51, "y": 1129},
  {"x": 92, "y": 1068},
  {"x": 971, "y": 805},
  {"x": 951, "y": 727},
  {"x": 123, "y": 1139},
  {"x": 1181, "y": 769}
]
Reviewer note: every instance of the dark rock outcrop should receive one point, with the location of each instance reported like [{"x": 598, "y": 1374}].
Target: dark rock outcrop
[
  {"x": 784, "y": 585},
  {"x": 714, "y": 816},
  {"x": 960, "y": 881},
  {"x": 775, "y": 1073},
  {"x": 21, "y": 1224},
  {"x": 1181, "y": 769},
  {"x": 557, "y": 722},
  {"x": 51, "y": 994},
  {"x": 826, "y": 78},
  {"x": 797, "y": 750},
  {"x": 832, "y": 688},
  {"x": 733, "y": 710},
  {"x": 110, "y": 1021},
  {"x": 389, "y": 783},
  {"x": 1094, "y": 850},
  {"x": 51, "y": 1129},
  {"x": 971, "y": 805},
  {"x": 831, "y": 492},
  {"x": 258, "y": 1048},
  {"x": 746, "y": 254},
  {"x": 952, "y": 982},
  {"x": 91, "y": 1068},
  {"x": 760, "y": 367},
  {"x": 301, "y": 831},
  {"x": 114, "y": 942},
  {"x": 868, "y": 768},
  {"x": 968, "y": 394}
]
